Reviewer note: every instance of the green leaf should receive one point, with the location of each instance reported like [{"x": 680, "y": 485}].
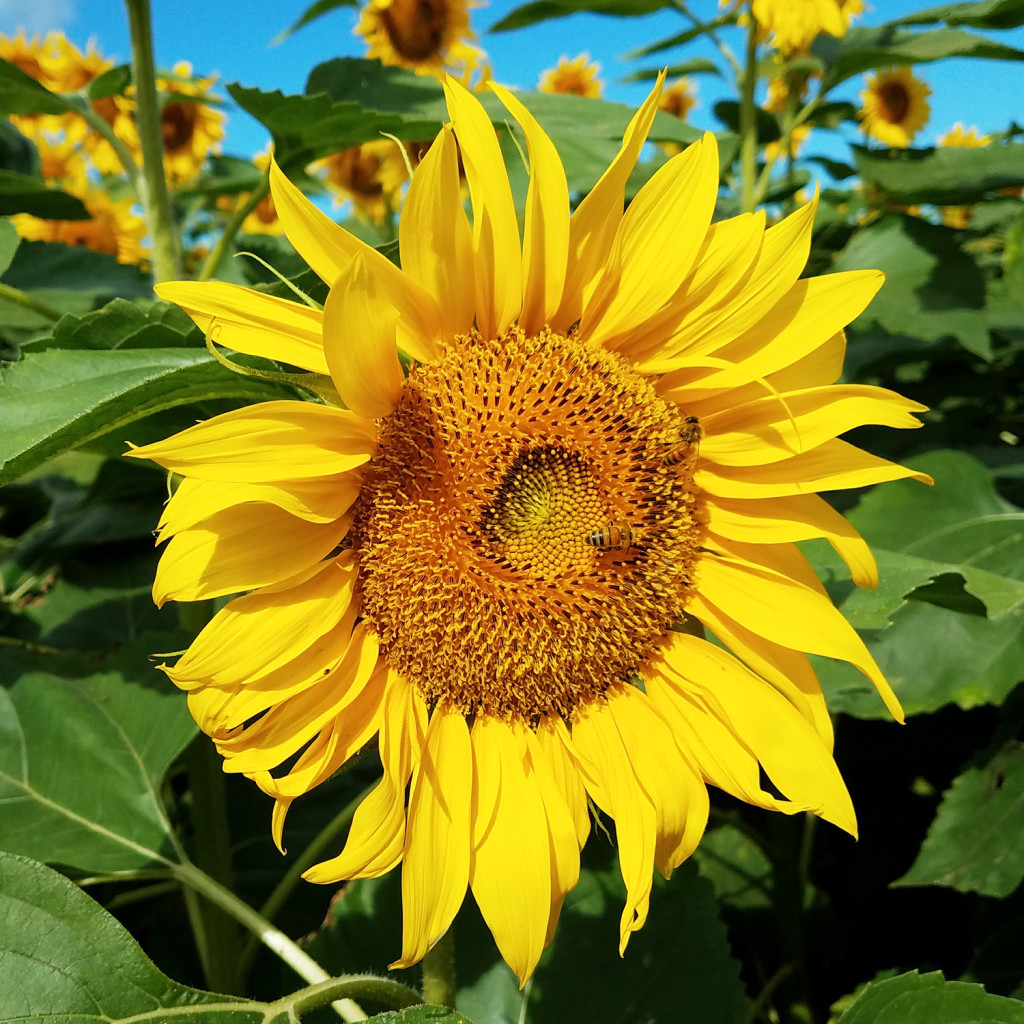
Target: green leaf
[
  {"x": 113, "y": 82},
  {"x": 681, "y": 38},
  {"x": 56, "y": 400},
  {"x": 81, "y": 762},
  {"x": 736, "y": 867},
  {"x": 74, "y": 962},
  {"x": 225, "y": 176},
  {"x": 545, "y": 10},
  {"x": 864, "y": 48},
  {"x": 946, "y": 175},
  {"x": 698, "y": 66},
  {"x": 9, "y": 242},
  {"x": 929, "y": 999},
  {"x": 974, "y": 842},
  {"x": 983, "y": 14},
  {"x": 311, "y": 13},
  {"x": 20, "y": 193},
  {"x": 934, "y": 289},
  {"x": 16, "y": 151},
  {"x": 422, "y": 1015},
  {"x": 22, "y": 94},
  {"x": 728, "y": 112},
  {"x": 122, "y": 325}
]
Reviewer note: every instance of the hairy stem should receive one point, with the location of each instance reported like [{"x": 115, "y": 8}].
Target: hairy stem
[
  {"x": 439, "y": 972},
  {"x": 748, "y": 123}
]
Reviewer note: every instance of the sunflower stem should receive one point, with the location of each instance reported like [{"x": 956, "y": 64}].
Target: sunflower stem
[
  {"x": 748, "y": 123},
  {"x": 439, "y": 972},
  {"x": 152, "y": 185},
  {"x": 23, "y": 299},
  {"x": 107, "y": 133},
  {"x": 233, "y": 226},
  {"x": 309, "y": 856},
  {"x": 361, "y": 986}
]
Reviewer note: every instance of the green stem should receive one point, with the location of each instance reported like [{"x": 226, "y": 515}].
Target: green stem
[
  {"x": 309, "y": 856},
  {"x": 748, "y": 123},
  {"x": 439, "y": 972},
  {"x": 124, "y": 154},
  {"x": 273, "y": 938},
  {"x": 152, "y": 183},
  {"x": 212, "y": 262},
  {"x": 22, "y": 299},
  {"x": 359, "y": 986}
]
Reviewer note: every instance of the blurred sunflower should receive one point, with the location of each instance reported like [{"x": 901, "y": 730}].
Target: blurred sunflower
[
  {"x": 263, "y": 220},
  {"x": 61, "y": 163},
  {"x": 370, "y": 176},
  {"x": 113, "y": 227},
  {"x": 424, "y": 35},
  {"x": 895, "y": 107},
  {"x": 191, "y": 129},
  {"x": 679, "y": 98},
  {"x": 794, "y": 24},
  {"x": 39, "y": 59},
  {"x": 610, "y": 427},
  {"x": 576, "y": 77}
]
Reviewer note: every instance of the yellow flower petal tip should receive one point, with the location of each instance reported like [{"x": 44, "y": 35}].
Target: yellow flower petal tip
[{"x": 610, "y": 424}]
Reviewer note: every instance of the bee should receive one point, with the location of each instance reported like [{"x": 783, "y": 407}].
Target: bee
[
  {"x": 613, "y": 538},
  {"x": 688, "y": 444}
]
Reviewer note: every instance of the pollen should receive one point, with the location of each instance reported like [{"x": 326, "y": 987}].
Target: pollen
[{"x": 475, "y": 529}]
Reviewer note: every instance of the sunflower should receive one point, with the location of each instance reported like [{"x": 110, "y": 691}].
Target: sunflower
[
  {"x": 39, "y": 59},
  {"x": 113, "y": 227},
  {"x": 62, "y": 164},
  {"x": 895, "y": 107},
  {"x": 795, "y": 24},
  {"x": 191, "y": 129},
  {"x": 370, "y": 176},
  {"x": 609, "y": 435},
  {"x": 424, "y": 35},
  {"x": 576, "y": 77}
]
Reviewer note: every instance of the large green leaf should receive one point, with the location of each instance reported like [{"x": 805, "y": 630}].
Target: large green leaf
[
  {"x": 22, "y": 94},
  {"x": 56, "y": 400},
  {"x": 974, "y": 842},
  {"x": 864, "y": 48},
  {"x": 930, "y": 999},
  {"x": 934, "y": 289},
  {"x": 545, "y": 10},
  {"x": 21, "y": 193},
  {"x": 81, "y": 762},
  {"x": 945, "y": 176},
  {"x": 980, "y": 14},
  {"x": 314, "y": 11},
  {"x": 123, "y": 325},
  {"x": 65, "y": 960}
]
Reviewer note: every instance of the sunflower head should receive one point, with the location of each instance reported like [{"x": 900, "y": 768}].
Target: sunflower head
[
  {"x": 495, "y": 554},
  {"x": 191, "y": 129},
  {"x": 575, "y": 77},
  {"x": 895, "y": 107},
  {"x": 794, "y": 24},
  {"x": 679, "y": 98},
  {"x": 964, "y": 138},
  {"x": 370, "y": 176}
]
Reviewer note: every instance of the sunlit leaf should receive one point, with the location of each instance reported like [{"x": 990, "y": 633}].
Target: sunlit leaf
[
  {"x": 697, "y": 66},
  {"x": 974, "y": 842},
  {"x": 982, "y": 14},
  {"x": 929, "y": 999},
  {"x": 112, "y": 82},
  {"x": 314, "y": 11},
  {"x": 22, "y": 94}
]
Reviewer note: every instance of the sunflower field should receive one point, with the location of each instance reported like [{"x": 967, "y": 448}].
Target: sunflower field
[{"x": 588, "y": 579}]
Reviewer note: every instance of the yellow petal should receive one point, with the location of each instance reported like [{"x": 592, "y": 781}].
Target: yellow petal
[
  {"x": 593, "y": 224},
  {"x": 377, "y": 836},
  {"x": 435, "y": 869},
  {"x": 435, "y": 239},
  {"x": 658, "y": 241},
  {"x": 360, "y": 341},
  {"x": 271, "y": 441},
  {"x": 258, "y": 633},
  {"x": 788, "y": 748},
  {"x": 329, "y": 249},
  {"x": 242, "y": 548},
  {"x": 498, "y": 260},
  {"x": 785, "y": 613},
  {"x": 562, "y": 769},
  {"x": 831, "y": 466},
  {"x": 317, "y": 501},
  {"x": 252, "y": 322},
  {"x": 546, "y": 233},
  {"x": 510, "y": 866},
  {"x": 793, "y": 518}
]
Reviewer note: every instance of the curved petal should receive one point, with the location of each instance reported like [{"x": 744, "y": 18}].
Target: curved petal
[
  {"x": 435, "y": 868},
  {"x": 546, "y": 233},
  {"x": 435, "y": 239},
  {"x": 498, "y": 259},
  {"x": 252, "y": 322},
  {"x": 271, "y": 441},
  {"x": 552, "y": 748},
  {"x": 329, "y": 248},
  {"x": 242, "y": 548},
  {"x": 510, "y": 866},
  {"x": 360, "y": 342}
]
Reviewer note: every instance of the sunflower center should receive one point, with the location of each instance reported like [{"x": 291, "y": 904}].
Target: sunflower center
[
  {"x": 177, "y": 123},
  {"x": 528, "y": 529},
  {"x": 416, "y": 27},
  {"x": 895, "y": 102}
]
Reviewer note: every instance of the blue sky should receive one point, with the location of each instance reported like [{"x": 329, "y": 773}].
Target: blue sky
[{"x": 234, "y": 39}]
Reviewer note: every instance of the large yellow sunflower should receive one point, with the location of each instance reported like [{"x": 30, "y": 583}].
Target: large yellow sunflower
[
  {"x": 610, "y": 435},
  {"x": 424, "y": 35},
  {"x": 795, "y": 24},
  {"x": 895, "y": 107}
]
